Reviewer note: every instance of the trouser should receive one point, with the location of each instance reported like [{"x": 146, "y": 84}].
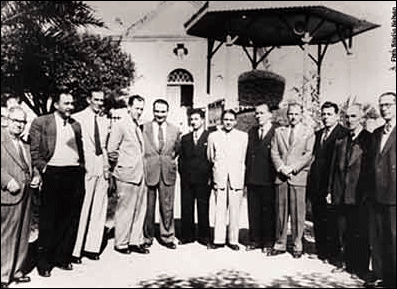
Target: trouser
[
  {"x": 227, "y": 204},
  {"x": 189, "y": 194},
  {"x": 383, "y": 242},
  {"x": 15, "y": 230},
  {"x": 93, "y": 216},
  {"x": 166, "y": 206},
  {"x": 61, "y": 200},
  {"x": 290, "y": 201},
  {"x": 323, "y": 227},
  {"x": 352, "y": 236},
  {"x": 130, "y": 214},
  {"x": 261, "y": 215}
]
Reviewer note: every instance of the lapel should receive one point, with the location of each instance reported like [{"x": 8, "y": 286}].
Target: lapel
[
  {"x": 356, "y": 150},
  {"x": 137, "y": 131},
  {"x": 150, "y": 134},
  {"x": 168, "y": 138},
  {"x": 12, "y": 151},
  {"x": 342, "y": 153},
  {"x": 201, "y": 139},
  {"x": 389, "y": 142},
  {"x": 52, "y": 132},
  {"x": 284, "y": 135}
]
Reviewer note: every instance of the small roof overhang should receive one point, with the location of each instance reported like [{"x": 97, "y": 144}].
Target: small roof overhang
[{"x": 274, "y": 23}]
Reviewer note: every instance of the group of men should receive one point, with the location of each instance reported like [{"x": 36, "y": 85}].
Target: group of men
[{"x": 74, "y": 157}]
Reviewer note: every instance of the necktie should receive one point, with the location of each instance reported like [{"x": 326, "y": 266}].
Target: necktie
[
  {"x": 261, "y": 134},
  {"x": 161, "y": 138},
  {"x": 22, "y": 157},
  {"x": 387, "y": 128},
  {"x": 325, "y": 136},
  {"x": 291, "y": 136},
  {"x": 97, "y": 140}
]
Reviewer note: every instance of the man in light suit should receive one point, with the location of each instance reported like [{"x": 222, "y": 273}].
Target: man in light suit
[
  {"x": 291, "y": 152},
  {"x": 126, "y": 151},
  {"x": 16, "y": 177},
  {"x": 162, "y": 145},
  {"x": 227, "y": 148},
  {"x": 94, "y": 126},
  {"x": 194, "y": 170},
  {"x": 259, "y": 179},
  {"x": 383, "y": 199},
  {"x": 318, "y": 180},
  {"x": 57, "y": 152},
  {"x": 348, "y": 186}
]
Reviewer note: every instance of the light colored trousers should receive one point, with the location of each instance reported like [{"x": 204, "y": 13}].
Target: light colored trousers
[
  {"x": 224, "y": 205},
  {"x": 93, "y": 216},
  {"x": 290, "y": 201},
  {"x": 130, "y": 214}
]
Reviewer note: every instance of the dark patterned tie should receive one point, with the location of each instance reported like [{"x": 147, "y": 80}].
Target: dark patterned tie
[
  {"x": 161, "y": 138},
  {"x": 97, "y": 140}
]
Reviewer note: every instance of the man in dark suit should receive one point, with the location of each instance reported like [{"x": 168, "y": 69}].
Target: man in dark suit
[
  {"x": 260, "y": 175},
  {"x": 57, "y": 152},
  {"x": 16, "y": 177},
  {"x": 348, "y": 186},
  {"x": 162, "y": 144},
  {"x": 383, "y": 200},
  {"x": 195, "y": 172},
  {"x": 318, "y": 179}
]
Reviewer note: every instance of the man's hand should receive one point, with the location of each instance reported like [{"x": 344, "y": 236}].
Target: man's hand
[
  {"x": 13, "y": 187},
  {"x": 329, "y": 199}
]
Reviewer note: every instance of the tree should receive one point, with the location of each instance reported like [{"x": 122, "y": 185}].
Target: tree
[{"x": 41, "y": 48}]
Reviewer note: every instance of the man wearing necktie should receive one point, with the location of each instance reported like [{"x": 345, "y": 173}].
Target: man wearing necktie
[
  {"x": 195, "y": 171},
  {"x": 259, "y": 179},
  {"x": 16, "y": 175},
  {"x": 318, "y": 180},
  {"x": 126, "y": 154},
  {"x": 57, "y": 152},
  {"x": 162, "y": 146},
  {"x": 291, "y": 152},
  {"x": 383, "y": 198},
  {"x": 349, "y": 184},
  {"x": 94, "y": 126}
]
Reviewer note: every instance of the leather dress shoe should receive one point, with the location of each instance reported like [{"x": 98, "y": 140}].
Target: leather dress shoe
[
  {"x": 185, "y": 241},
  {"x": 76, "y": 260},
  {"x": 147, "y": 245},
  {"x": 22, "y": 279},
  {"x": 267, "y": 251},
  {"x": 91, "y": 256},
  {"x": 252, "y": 247},
  {"x": 275, "y": 252},
  {"x": 4, "y": 285},
  {"x": 44, "y": 272},
  {"x": 234, "y": 247},
  {"x": 123, "y": 251},
  {"x": 65, "y": 266},
  {"x": 297, "y": 254},
  {"x": 139, "y": 249},
  {"x": 211, "y": 246},
  {"x": 170, "y": 245},
  {"x": 374, "y": 284}
]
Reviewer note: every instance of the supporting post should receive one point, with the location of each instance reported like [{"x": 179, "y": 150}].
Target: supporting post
[{"x": 210, "y": 45}]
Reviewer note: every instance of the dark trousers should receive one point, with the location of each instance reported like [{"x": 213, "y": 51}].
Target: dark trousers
[
  {"x": 61, "y": 201},
  {"x": 353, "y": 242},
  {"x": 189, "y": 194},
  {"x": 166, "y": 207},
  {"x": 261, "y": 215},
  {"x": 323, "y": 228},
  {"x": 383, "y": 242}
]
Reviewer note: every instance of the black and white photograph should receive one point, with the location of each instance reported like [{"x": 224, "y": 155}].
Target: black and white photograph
[{"x": 198, "y": 144}]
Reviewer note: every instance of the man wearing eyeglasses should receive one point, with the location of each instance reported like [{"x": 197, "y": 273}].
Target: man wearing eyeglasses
[
  {"x": 57, "y": 152},
  {"x": 16, "y": 175},
  {"x": 383, "y": 201}
]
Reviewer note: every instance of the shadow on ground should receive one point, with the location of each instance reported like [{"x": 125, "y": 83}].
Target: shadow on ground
[{"x": 240, "y": 279}]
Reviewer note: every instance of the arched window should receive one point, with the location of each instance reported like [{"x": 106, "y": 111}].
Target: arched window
[{"x": 181, "y": 82}]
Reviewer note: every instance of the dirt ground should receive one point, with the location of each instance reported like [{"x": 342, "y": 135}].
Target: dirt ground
[{"x": 193, "y": 266}]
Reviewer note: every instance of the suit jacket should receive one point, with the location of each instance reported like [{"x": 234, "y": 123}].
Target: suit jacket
[
  {"x": 126, "y": 151},
  {"x": 227, "y": 158},
  {"x": 383, "y": 167},
  {"x": 348, "y": 181},
  {"x": 298, "y": 155},
  {"x": 193, "y": 164},
  {"x": 43, "y": 138},
  {"x": 94, "y": 164},
  {"x": 163, "y": 162},
  {"x": 259, "y": 165},
  {"x": 13, "y": 168},
  {"x": 318, "y": 178}
]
